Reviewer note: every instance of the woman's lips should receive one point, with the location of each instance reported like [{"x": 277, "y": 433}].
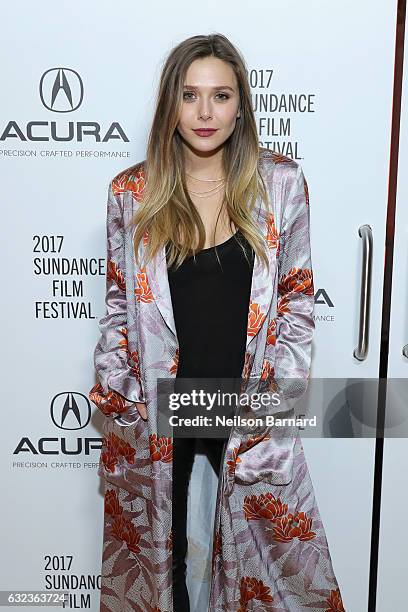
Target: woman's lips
[{"x": 204, "y": 133}]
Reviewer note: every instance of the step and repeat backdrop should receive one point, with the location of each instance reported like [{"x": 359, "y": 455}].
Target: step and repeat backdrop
[{"x": 79, "y": 83}]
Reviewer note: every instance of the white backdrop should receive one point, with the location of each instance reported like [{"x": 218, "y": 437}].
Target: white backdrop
[{"x": 324, "y": 57}]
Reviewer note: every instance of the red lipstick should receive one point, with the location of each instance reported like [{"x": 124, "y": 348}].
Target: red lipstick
[{"x": 204, "y": 132}]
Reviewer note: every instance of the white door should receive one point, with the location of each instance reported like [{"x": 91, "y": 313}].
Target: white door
[
  {"x": 393, "y": 544},
  {"x": 350, "y": 147}
]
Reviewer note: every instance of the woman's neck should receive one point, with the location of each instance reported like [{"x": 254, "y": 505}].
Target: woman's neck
[{"x": 204, "y": 168}]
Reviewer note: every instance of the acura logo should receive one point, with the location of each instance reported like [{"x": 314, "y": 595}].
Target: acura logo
[
  {"x": 70, "y": 410},
  {"x": 61, "y": 90}
]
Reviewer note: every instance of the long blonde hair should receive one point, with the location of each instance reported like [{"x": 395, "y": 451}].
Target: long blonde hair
[{"x": 167, "y": 213}]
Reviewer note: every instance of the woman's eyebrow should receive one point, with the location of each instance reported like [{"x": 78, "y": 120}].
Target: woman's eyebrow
[{"x": 216, "y": 87}]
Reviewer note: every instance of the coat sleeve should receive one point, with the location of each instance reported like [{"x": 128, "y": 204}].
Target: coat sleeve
[
  {"x": 294, "y": 323},
  {"x": 119, "y": 384}
]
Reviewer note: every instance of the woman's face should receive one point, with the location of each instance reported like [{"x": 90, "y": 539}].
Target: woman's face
[{"x": 210, "y": 101}]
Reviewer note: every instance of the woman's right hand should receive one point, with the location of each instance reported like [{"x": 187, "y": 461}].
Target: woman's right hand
[{"x": 141, "y": 407}]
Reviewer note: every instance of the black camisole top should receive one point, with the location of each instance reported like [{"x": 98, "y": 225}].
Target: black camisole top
[{"x": 210, "y": 304}]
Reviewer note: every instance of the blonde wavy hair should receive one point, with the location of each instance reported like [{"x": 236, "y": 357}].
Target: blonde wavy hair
[{"x": 167, "y": 212}]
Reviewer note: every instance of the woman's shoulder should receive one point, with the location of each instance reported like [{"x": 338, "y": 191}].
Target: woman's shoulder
[
  {"x": 130, "y": 179},
  {"x": 278, "y": 166},
  {"x": 270, "y": 157}
]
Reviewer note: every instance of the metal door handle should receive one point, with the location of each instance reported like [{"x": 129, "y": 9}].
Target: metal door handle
[{"x": 365, "y": 232}]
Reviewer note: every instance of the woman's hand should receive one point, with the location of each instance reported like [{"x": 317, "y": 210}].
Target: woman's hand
[{"x": 141, "y": 407}]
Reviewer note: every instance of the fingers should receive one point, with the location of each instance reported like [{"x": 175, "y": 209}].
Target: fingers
[{"x": 142, "y": 410}]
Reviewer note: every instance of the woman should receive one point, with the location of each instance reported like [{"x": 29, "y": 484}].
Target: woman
[{"x": 211, "y": 218}]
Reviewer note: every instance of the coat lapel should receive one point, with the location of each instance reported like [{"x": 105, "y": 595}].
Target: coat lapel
[
  {"x": 262, "y": 285},
  {"x": 262, "y": 288},
  {"x": 156, "y": 270}
]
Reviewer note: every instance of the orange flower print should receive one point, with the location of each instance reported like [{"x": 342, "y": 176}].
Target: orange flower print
[
  {"x": 145, "y": 238},
  {"x": 278, "y": 158},
  {"x": 112, "y": 505},
  {"x": 109, "y": 403},
  {"x": 294, "y": 526},
  {"x": 283, "y": 305},
  {"x": 255, "y": 319},
  {"x": 123, "y": 529},
  {"x": 217, "y": 543},
  {"x": 335, "y": 602},
  {"x": 127, "y": 181},
  {"x": 109, "y": 460},
  {"x": 216, "y": 548},
  {"x": 124, "y": 449},
  {"x": 143, "y": 291},
  {"x": 161, "y": 449},
  {"x": 134, "y": 363},
  {"x": 174, "y": 367},
  {"x": 264, "y": 506},
  {"x": 252, "y": 588},
  {"x": 132, "y": 357},
  {"x": 124, "y": 342},
  {"x": 267, "y": 370},
  {"x": 297, "y": 280},
  {"x": 136, "y": 185},
  {"x": 246, "y": 370},
  {"x": 273, "y": 385},
  {"x": 115, "y": 448},
  {"x": 119, "y": 183},
  {"x": 272, "y": 235},
  {"x": 247, "y": 364},
  {"x": 271, "y": 333},
  {"x": 250, "y": 442},
  {"x": 116, "y": 275},
  {"x": 231, "y": 463}
]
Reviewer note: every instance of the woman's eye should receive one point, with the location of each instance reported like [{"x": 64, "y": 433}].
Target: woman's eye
[{"x": 188, "y": 95}]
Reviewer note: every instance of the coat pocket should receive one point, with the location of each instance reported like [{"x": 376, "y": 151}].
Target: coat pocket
[
  {"x": 268, "y": 458},
  {"x": 125, "y": 453}
]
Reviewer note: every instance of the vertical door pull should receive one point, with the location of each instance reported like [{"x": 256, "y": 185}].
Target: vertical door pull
[{"x": 365, "y": 232}]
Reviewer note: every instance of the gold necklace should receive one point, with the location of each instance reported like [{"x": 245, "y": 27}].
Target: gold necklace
[
  {"x": 203, "y": 194},
  {"x": 205, "y": 180}
]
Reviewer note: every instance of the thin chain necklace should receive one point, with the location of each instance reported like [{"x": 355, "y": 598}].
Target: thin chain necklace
[
  {"x": 203, "y": 194},
  {"x": 205, "y": 180},
  {"x": 214, "y": 190}
]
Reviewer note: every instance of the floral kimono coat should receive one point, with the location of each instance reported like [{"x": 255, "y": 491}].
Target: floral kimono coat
[{"x": 269, "y": 548}]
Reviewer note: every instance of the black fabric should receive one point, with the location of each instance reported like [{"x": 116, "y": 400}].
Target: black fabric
[{"x": 210, "y": 305}]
